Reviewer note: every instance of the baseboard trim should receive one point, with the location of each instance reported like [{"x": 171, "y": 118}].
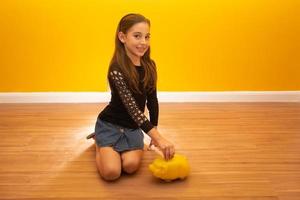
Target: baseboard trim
[{"x": 98, "y": 97}]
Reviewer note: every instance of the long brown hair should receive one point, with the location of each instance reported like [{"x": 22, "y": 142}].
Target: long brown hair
[{"x": 124, "y": 63}]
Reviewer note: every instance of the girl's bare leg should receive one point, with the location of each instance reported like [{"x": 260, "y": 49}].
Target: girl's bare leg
[
  {"x": 108, "y": 162},
  {"x": 131, "y": 160}
]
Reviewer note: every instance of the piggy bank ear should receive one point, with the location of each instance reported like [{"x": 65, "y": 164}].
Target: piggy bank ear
[{"x": 157, "y": 167}]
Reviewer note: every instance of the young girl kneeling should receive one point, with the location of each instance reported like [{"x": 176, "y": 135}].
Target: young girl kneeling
[{"x": 132, "y": 78}]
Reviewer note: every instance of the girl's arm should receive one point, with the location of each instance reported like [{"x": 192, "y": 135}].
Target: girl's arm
[{"x": 153, "y": 107}]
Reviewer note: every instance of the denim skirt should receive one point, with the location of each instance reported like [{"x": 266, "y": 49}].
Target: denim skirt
[{"x": 118, "y": 137}]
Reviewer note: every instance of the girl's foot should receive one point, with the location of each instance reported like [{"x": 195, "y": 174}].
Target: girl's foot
[{"x": 92, "y": 135}]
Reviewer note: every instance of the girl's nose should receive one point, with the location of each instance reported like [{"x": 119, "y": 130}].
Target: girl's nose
[{"x": 143, "y": 41}]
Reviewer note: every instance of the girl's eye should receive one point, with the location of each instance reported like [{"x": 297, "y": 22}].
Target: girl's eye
[{"x": 138, "y": 36}]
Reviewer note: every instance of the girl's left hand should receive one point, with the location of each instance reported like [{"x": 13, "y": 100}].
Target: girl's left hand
[{"x": 165, "y": 146}]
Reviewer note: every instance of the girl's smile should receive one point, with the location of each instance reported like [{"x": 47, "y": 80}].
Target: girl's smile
[{"x": 142, "y": 50}]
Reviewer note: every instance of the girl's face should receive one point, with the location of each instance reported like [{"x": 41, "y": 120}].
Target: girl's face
[{"x": 136, "y": 40}]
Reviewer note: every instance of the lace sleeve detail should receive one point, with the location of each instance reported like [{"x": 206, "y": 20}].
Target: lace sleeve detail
[{"x": 129, "y": 102}]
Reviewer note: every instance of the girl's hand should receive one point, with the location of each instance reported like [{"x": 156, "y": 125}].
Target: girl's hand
[{"x": 165, "y": 146}]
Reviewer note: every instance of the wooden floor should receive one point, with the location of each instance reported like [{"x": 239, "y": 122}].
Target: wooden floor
[{"x": 236, "y": 150}]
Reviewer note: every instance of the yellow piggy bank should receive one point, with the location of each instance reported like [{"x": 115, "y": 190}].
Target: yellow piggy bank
[{"x": 176, "y": 168}]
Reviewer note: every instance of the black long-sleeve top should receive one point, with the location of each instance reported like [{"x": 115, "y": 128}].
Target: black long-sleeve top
[{"x": 126, "y": 107}]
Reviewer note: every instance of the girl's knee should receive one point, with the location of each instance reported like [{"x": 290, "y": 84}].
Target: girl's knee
[
  {"x": 110, "y": 173},
  {"x": 131, "y": 166}
]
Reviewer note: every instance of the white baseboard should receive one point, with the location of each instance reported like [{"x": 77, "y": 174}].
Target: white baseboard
[{"x": 98, "y": 97}]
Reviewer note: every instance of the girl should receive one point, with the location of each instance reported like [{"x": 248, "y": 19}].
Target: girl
[{"x": 132, "y": 79}]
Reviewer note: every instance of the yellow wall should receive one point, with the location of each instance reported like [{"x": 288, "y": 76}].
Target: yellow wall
[{"x": 208, "y": 45}]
